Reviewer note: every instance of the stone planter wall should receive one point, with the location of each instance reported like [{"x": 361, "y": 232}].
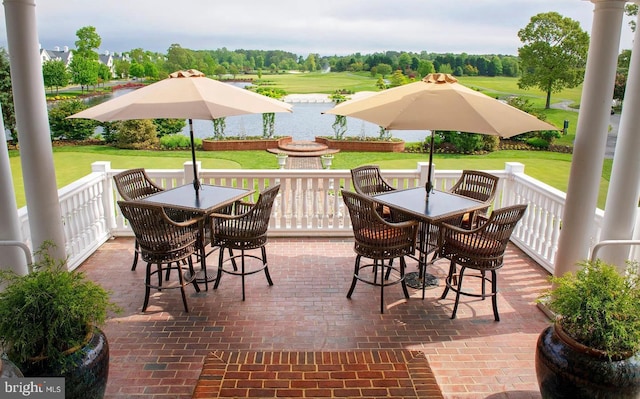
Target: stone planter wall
[
  {"x": 361, "y": 145},
  {"x": 244, "y": 145}
]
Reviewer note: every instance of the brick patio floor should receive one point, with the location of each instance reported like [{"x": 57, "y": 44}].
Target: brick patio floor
[{"x": 160, "y": 354}]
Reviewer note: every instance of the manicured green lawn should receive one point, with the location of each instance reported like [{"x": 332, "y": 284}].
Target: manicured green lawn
[
  {"x": 72, "y": 163},
  {"x": 316, "y": 82}
]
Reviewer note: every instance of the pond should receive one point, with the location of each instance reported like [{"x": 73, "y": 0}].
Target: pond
[{"x": 304, "y": 123}]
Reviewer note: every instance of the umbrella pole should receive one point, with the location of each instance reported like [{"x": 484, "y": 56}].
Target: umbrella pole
[
  {"x": 429, "y": 185},
  {"x": 196, "y": 181}
]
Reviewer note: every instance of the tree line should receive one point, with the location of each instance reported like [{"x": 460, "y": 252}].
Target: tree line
[{"x": 552, "y": 57}]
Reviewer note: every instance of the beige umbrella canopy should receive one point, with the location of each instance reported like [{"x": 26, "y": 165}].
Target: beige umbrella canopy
[
  {"x": 438, "y": 102},
  {"x": 184, "y": 95}
]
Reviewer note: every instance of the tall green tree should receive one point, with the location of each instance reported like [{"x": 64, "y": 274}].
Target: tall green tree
[
  {"x": 6, "y": 97},
  {"x": 310, "y": 63},
  {"x": 425, "y": 67},
  {"x": 88, "y": 43},
  {"x": 383, "y": 69},
  {"x": 122, "y": 68},
  {"x": 104, "y": 73},
  {"x": 84, "y": 67},
  {"x": 179, "y": 58},
  {"x": 55, "y": 74},
  {"x": 84, "y": 71},
  {"x": 554, "y": 54},
  {"x": 495, "y": 66},
  {"x": 151, "y": 70},
  {"x": 136, "y": 70}
]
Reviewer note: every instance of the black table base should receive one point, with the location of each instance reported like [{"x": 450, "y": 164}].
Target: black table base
[{"x": 414, "y": 280}]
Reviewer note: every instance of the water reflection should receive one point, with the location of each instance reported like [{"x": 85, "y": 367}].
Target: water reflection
[{"x": 304, "y": 123}]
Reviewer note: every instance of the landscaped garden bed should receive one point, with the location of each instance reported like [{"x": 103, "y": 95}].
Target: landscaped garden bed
[
  {"x": 353, "y": 144},
  {"x": 244, "y": 144}
]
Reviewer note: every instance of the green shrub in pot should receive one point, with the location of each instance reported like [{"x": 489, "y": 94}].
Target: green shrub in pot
[
  {"x": 599, "y": 307},
  {"x": 48, "y": 312},
  {"x": 592, "y": 350}
]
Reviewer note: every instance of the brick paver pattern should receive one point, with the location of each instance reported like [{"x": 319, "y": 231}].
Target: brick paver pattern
[
  {"x": 161, "y": 353},
  {"x": 360, "y": 374}
]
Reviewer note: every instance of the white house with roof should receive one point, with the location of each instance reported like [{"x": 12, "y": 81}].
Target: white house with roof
[
  {"x": 66, "y": 55},
  {"x": 56, "y": 54}
]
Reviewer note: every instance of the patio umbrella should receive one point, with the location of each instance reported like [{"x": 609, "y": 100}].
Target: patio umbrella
[
  {"x": 438, "y": 102},
  {"x": 184, "y": 95}
]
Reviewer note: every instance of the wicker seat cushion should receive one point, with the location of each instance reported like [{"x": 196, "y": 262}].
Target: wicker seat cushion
[
  {"x": 376, "y": 234},
  {"x": 470, "y": 244}
]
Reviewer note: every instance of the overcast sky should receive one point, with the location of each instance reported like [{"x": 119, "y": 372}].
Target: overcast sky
[{"x": 326, "y": 27}]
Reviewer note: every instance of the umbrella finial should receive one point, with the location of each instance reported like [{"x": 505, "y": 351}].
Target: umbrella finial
[
  {"x": 439, "y": 78},
  {"x": 189, "y": 73}
]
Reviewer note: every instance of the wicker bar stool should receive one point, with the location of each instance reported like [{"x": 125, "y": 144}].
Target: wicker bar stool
[
  {"x": 132, "y": 185},
  {"x": 166, "y": 243},
  {"x": 479, "y": 186},
  {"x": 379, "y": 240},
  {"x": 367, "y": 180},
  {"x": 481, "y": 249},
  {"x": 244, "y": 228}
]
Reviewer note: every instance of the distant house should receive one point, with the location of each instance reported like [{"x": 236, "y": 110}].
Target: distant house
[
  {"x": 108, "y": 60},
  {"x": 66, "y": 56}
]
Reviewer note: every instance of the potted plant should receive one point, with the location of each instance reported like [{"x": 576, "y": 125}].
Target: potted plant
[
  {"x": 591, "y": 350},
  {"x": 49, "y": 323}
]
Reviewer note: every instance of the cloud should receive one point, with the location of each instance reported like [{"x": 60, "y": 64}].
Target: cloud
[{"x": 328, "y": 27}]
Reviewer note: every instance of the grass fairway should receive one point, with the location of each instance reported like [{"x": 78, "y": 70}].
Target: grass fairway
[{"x": 316, "y": 82}]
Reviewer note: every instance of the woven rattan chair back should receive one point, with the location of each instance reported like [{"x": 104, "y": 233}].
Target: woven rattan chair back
[
  {"x": 380, "y": 240},
  {"x": 477, "y": 185},
  {"x": 135, "y": 184},
  {"x": 163, "y": 241},
  {"x": 244, "y": 228},
  {"x": 367, "y": 180},
  {"x": 375, "y": 237},
  {"x": 481, "y": 249}
]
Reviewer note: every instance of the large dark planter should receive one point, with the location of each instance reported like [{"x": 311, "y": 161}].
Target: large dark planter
[
  {"x": 567, "y": 369},
  {"x": 87, "y": 379}
]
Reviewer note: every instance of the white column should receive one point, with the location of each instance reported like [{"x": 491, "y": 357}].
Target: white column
[
  {"x": 591, "y": 135},
  {"x": 624, "y": 188},
  {"x": 45, "y": 220},
  {"x": 11, "y": 258}
]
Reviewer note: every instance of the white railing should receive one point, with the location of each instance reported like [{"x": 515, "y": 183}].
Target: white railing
[{"x": 308, "y": 204}]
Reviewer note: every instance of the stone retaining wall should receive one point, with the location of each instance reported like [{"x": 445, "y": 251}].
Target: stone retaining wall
[{"x": 244, "y": 145}]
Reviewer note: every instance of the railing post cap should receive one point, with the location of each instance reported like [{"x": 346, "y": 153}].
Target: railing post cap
[{"x": 101, "y": 166}]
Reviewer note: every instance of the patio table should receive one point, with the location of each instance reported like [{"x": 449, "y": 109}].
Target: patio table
[
  {"x": 432, "y": 210},
  {"x": 206, "y": 201}
]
